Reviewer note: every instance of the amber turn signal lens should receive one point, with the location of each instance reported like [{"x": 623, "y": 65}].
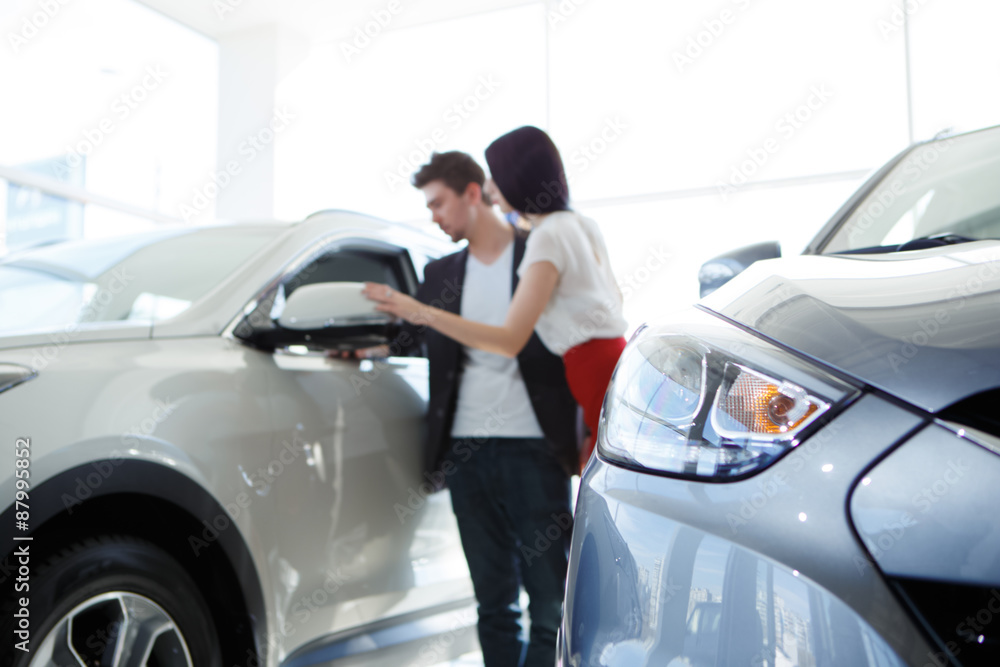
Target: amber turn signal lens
[{"x": 764, "y": 406}]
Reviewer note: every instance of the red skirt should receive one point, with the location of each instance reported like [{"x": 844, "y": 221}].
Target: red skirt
[{"x": 589, "y": 367}]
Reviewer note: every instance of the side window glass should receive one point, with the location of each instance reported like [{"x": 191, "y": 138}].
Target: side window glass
[
  {"x": 348, "y": 265},
  {"x": 341, "y": 263}
]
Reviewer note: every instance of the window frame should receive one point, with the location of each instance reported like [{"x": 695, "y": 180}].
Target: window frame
[{"x": 256, "y": 328}]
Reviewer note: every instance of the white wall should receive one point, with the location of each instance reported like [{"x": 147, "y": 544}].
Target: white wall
[
  {"x": 110, "y": 81},
  {"x": 687, "y": 129}
]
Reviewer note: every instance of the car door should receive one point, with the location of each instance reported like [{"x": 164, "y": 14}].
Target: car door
[{"x": 360, "y": 537}]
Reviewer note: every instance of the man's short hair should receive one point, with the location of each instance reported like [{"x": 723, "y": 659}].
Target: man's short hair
[{"x": 453, "y": 168}]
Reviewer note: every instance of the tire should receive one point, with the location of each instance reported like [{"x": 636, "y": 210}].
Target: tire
[{"x": 114, "y": 594}]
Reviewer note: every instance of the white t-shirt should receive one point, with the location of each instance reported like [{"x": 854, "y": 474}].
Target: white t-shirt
[
  {"x": 586, "y": 303},
  {"x": 492, "y": 397}
]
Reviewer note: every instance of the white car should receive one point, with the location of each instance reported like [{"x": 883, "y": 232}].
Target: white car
[{"x": 189, "y": 478}]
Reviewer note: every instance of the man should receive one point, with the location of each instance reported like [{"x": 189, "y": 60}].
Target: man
[{"x": 501, "y": 431}]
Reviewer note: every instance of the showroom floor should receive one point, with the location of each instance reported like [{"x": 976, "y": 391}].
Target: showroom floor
[{"x": 467, "y": 660}]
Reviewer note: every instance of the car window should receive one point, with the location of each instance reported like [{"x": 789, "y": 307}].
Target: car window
[
  {"x": 138, "y": 278},
  {"x": 947, "y": 186},
  {"x": 348, "y": 265},
  {"x": 351, "y": 260}
]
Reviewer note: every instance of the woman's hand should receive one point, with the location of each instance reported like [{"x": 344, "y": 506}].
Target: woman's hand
[{"x": 395, "y": 303}]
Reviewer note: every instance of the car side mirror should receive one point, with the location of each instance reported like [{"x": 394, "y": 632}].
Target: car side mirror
[
  {"x": 329, "y": 306},
  {"x": 326, "y": 315},
  {"x": 717, "y": 271}
]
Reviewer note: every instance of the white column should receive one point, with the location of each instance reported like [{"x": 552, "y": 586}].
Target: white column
[
  {"x": 247, "y": 79},
  {"x": 251, "y": 64}
]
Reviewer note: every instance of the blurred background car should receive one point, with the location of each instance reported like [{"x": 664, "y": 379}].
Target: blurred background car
[
  {"x": 802, "y": 469},
  {"x": 201, "y": 484}
]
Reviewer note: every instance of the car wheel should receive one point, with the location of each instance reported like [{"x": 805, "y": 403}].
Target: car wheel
[{"x": 116, "y": 600}]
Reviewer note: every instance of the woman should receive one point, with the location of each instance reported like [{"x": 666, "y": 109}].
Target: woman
[{"x": 566, "y": 292}]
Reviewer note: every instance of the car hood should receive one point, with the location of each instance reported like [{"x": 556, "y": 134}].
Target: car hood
[
  {"x": 49, "y": 342},
  {"x": 922, "y": 325}
]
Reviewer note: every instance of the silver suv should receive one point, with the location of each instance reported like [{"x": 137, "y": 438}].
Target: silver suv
[{"x": 190, "y": 478}]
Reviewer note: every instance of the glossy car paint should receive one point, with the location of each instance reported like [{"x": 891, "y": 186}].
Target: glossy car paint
[
  {"x": 892, "y": 320},
  {"x": 309, "y": 458},
  {"x": 920, "y": 512},
  {"x": 647, "y": 549},
  {"x": 790, "y": 566}
]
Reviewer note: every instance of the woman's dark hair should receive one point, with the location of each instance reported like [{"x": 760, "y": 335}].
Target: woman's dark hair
[
  {"x": 528, "y": 171},
  {"x": 455, "y": 169}
]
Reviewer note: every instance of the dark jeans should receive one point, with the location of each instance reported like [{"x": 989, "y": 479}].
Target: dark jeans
[{"x": 511, "y": 499}]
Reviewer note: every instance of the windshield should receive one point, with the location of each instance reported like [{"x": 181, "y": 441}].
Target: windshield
[
  {"x": 948, "y": 186},
  {"x": 142, "y": 278}
]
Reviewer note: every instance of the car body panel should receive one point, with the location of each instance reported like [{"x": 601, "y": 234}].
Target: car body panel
[
  {"x": 929, "y": 509},
  {"x": 47, "y": 344},
  {"x": 198, "y": 409},
  {"x": 790, "y": 519},
  {"x": 921, "y": 325},
  {"x": 359, "y": 430}
]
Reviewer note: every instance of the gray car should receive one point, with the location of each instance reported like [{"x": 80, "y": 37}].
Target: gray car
[{"x": 804, "y": 469}]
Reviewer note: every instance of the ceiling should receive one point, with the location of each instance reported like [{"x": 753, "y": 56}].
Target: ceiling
[{"x": 317, "y": 20}]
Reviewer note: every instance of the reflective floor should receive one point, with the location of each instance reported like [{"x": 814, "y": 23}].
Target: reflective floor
[{"x": 467, "y": 660}]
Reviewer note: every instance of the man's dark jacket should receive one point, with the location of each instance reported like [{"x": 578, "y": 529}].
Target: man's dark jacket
[{"x": 543, "y": 372}]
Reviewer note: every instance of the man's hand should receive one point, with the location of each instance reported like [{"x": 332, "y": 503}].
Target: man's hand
[{"x": 376, "y": 352}]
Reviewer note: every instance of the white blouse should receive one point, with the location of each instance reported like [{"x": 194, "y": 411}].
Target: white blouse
[{"x": 586, "y": 302}]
